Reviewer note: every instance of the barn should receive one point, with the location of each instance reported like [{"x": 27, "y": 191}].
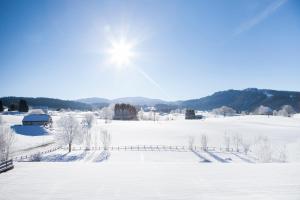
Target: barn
[{"x": 37, "y": 119}]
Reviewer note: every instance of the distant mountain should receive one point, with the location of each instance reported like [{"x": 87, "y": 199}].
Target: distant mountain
[
  {"x": 139, "y": 101},
  {"x": 129, "y": 100},
  {"x": 94, "y": 100},
  {"x": 246, "y": 100}
]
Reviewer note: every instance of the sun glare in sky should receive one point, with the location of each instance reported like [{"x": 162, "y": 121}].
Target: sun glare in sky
[{"x": 121, "y": 53}]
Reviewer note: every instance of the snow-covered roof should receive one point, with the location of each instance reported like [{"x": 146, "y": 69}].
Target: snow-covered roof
[{"x": 36, "y": 118}]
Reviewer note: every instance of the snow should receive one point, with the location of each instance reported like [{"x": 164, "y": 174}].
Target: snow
[
  {"x": 36, "y": 117},
  {"x": 269, "y": 95},
  {"x": 146, "y": 180},
  {"x": 159, "y": 174},
  {"x": 280, "y": 130},
  {"x": 27, "y": 137},
  {"x": 31, "y": 130}
]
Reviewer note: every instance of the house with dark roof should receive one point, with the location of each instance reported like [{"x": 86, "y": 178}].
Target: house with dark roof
[{"x": 37, "y": 119}]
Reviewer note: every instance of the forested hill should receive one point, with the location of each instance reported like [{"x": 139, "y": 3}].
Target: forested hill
[
  {"x": 47, "y": 102},
  {"x": 246, "y": 100}
]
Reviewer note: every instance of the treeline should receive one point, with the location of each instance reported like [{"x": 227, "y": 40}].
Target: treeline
[
  {"x": 125, "y": 112},
  {"x": 21, "y": 106},
  {"x": 56, "y": 104}
]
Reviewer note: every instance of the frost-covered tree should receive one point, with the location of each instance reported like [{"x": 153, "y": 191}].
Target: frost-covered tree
[
  {"x": 281, "y": 153},
  {"x": 246, "y": 146},
  {"x": 70, "y": 131},
  {"x": 224, "y": 111},
  {"x": 107, "y": 113},
  {"x": 237, "y": 141},
  {"x": 191, "y": 142},
  {"x": 227, "y": 141},
  {"x": 87, "y": 124},
  {"x": 105, "y": 138},
  {"x": 141, "y": 114},
  {"x": 7, "y": 137},
  {"x": 286, "y": 111},
  {"x": 263, "y": 110},
  {"x": 263, "y": 149},
  {"x": 204, "y": 141}
]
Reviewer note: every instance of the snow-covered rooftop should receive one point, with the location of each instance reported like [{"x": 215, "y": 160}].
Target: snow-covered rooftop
[{"x": 36, "y": 117}]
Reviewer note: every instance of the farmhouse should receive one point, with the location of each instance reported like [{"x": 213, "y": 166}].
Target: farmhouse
[
  {"x": 190, "y": 114},
  {"x": 37, "y": 119}
]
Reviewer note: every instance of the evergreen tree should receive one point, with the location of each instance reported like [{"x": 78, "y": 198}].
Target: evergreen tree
[
  {"x": 23, "y": 107},
  {"x": 1, "y": 106},
  {"x": 12, "y": 107}
]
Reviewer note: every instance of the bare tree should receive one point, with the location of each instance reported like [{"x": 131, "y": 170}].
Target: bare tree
[
  {"x": 204, "y": 141},
  {"x": 105, "y": 139},
  {"x": 191, "y": 142},
  {"x": 70, "y": 131},
  {"x": 87, "y": 124},
  {"x": 7, "y": 137}
]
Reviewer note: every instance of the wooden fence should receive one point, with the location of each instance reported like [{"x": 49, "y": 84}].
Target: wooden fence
[
  {"x": 30, "y": 157},
  {"x": 149, "y": 148},
  {"x": 6, "y": 165},
  {"x": 33, "y": 155}
]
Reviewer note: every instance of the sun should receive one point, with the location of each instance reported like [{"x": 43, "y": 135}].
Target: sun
[{"x": 121, "y": 53}]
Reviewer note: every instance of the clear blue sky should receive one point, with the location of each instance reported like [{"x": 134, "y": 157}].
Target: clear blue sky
[{"x": 182, "y": 49}]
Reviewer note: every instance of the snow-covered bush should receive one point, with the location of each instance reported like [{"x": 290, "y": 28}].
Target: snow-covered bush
[
  {"x": 224, "y": 111},
  {"x": 7, "y": 137},
  {"x": 263, "y": 110},
  {"x": 36, "y": 157},
  {"x": 70, "y": 131}
]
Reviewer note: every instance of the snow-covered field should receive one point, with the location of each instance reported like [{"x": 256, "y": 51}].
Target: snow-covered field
[
  {"x": 69, "y": 180},
  {"x": 280, "y": 131},
  {"x": 159, "y": 174},
  {"x": 27, "y": 137}
]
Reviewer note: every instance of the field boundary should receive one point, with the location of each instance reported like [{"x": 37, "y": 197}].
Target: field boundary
[{"x": 6, "y": 165}]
